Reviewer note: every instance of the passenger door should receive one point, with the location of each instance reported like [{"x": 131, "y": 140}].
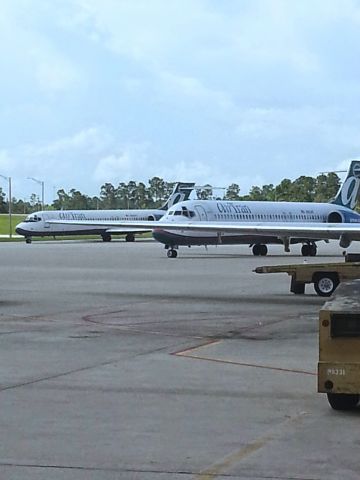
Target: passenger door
[{"x": 200, "y": 210}]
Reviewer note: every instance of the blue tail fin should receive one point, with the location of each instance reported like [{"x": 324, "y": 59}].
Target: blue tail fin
[
  {"x": 180, "y": 193},
  {"x": 348, "y": 193}
]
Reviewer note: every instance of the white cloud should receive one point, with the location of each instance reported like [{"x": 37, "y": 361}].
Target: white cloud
[
  {"x": 108, "y": 90},
  {"x": 276, "y": 123},
  {"x": 131, "y": 163},
  {"x": 193, "y": 88},
  {"x": 54, "y": 73},
  {"x": 5, "y": 161},
  {"x": 113, "y": 167}
]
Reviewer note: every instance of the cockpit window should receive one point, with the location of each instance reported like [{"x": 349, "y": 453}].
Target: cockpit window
[
  {"x": 32, "y": 218},
  {"x": 185, "y": 213}
]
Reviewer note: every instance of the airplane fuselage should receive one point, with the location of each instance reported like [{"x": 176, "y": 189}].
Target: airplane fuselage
[
  {"x": 37, "y": 224},
  {"x": 251, "y": 212}
]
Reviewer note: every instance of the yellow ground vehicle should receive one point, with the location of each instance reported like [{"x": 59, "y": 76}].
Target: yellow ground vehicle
[
  {"x": 339, "y": 347},
  {"x": 325, "y": 276}
]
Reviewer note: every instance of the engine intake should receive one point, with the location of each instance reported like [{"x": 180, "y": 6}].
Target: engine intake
[{"x": 335, "y": 217}]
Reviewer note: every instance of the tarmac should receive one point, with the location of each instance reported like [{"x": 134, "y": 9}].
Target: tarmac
[{"x": 117, "y": 362}]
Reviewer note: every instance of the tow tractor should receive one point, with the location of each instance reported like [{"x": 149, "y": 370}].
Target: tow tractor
[
  {"x": 325, "y": 276},
  {"x": 339, "y": 347}
]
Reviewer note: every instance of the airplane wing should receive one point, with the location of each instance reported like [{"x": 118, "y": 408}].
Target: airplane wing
[
  {"x": 127, "y": 230},
  {"x": 281, "y": 229}
]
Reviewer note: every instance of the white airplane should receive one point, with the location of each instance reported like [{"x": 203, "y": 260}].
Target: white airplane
[
  {"x": 205, "y": 222},
  {"x": 40, "y": 224}
]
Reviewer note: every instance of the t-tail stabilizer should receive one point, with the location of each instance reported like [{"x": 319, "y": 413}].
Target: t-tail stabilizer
[
  {"x": 180, "y": 193},
  {"x": 348, "y": 193}
]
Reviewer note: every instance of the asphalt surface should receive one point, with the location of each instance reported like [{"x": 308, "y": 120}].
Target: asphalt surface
[{"x": 119, "y": 363}]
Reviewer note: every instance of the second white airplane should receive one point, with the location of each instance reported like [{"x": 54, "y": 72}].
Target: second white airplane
[{"x": 40, "y": 224}]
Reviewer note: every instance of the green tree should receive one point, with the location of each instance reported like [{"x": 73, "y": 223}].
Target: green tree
[
  {"x": 283, "y": 191},
  {"x": 256, "y": 193},
  {"x": 157, "y": 190},
  {"x": 4, "y": 206},
  {"x": 108, "y": 196},
  {"x": 232, "y": 192},
  {"x": 268, "y": 192},
  {"x": 132, "y": 191},
  {"x": 303, "y": 189},
  {"x": 326, "y": 187}
]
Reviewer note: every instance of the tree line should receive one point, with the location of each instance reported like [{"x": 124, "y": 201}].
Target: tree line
[{"x": 138, "y": 195}]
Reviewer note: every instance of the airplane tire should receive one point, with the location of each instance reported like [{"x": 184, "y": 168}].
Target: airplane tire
[
  {"x": 313, "y": 250},
  {"x": 305, "y": 250},
  {"x": 130, "y": 237},
  {"x": 263, "y": 250},
  {"x": 28, "y": 240},
  {"x": 106, "y": 237},
  {"x": 343, "y": 401},
  {"x": 171, "y": 253},
  {"x": 256, "y": 249},
  {"x": 325, "y": 283}
]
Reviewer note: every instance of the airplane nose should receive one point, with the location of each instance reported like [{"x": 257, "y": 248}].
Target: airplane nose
[{"x": 20, "y": 231}]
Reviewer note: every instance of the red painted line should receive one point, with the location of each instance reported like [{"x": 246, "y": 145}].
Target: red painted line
[
  {"x": 184, "y": 353},
  {"x": 243, "y": 364}
]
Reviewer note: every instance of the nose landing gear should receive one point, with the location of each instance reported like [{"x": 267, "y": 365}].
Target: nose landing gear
[{"x": 171, "y": 253}]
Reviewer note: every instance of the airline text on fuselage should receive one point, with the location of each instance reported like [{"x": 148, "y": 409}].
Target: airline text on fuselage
[
  {"x": 71, "y": 216},
  {"x": 229, "y": 207}
]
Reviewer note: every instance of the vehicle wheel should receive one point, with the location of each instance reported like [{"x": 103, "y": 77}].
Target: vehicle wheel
[
  {"x": 325, "y": 284},
  {"x": 28, "y": 240},
  {"x": 305, "y": 250},
  {"x": 343, "y": 401},
  {"x": 263, "y": 250},
  {"x": 171, "y": 253},
  {"x": 256, "y": 250},
  {"x": 106, "y": 237},
  {"x": 130, "y": 237}
]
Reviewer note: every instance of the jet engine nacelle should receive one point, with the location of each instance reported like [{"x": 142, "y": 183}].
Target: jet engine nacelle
[
  {"x": 152, "y": 218},
  {"x": 335, "y": 217},
  {"x": 345, "y": 216}
]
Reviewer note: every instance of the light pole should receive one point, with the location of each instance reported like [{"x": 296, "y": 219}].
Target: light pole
[
  {"x": 40, "y": 182},
  {"x": 9, "y": 200}
]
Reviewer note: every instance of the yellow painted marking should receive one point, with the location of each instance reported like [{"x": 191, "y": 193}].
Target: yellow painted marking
[
  {"x": 185, "y": 353},
  {"x": 223, "y": 465},
  {"x": 235, "y": 457}
]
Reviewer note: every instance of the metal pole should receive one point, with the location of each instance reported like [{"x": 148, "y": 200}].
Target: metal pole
[
  {"x": 42, "y": 183},
  {"x": 42, "y": 195},
  {"x": 10, "y": 222}
]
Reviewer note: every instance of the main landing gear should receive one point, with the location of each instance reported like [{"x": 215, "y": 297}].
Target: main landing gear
[
  {"x": 28, "y": 239},
  {"x": 259, "y": 249},
  {"x": 106, "y": 237},
  {"x": 309, "y": 249},
  {"x": 130, "y": 237}
]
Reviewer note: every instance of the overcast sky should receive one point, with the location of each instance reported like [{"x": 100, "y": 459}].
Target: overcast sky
[{"x": 244, "y": 91}]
